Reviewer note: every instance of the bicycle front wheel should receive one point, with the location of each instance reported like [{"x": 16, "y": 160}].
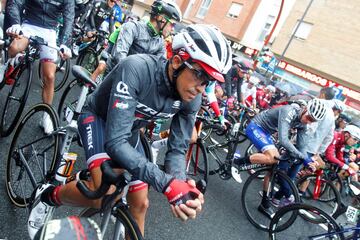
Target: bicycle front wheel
[
  {"x": 251, "y": 197},
  {"x": 302, "y": 229},
  {"x": 31, "y": 156},
  {"x": 114, "y": 226},
  {"x": 16, "y": 99},
  {"x": 196, "y": 162},
  {"x": 61, "y": 75},
  {"x": 328, "y": 199}
]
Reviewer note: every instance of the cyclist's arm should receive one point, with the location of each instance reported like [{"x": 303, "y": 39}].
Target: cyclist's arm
[
  {"x": 93, "y": 15},
  {"x": 13, "y": 10},
  {"x": 287, "y": 115},
  {"x": 253, "y": 98},
  {"x": 327, "y": 140},
  {"x": 238, "y": 88},
  {"x": 112, "y": 21},
  {"x": 243, "y": 89},
  {"x": 68, "y": 15},
  {"x": 228, "y": 79},
  {"x": 126, "y": 37},
  {"x": 181, "y": 129},
  {"x": 119, "y": 124},
  {"x": 210, "y": 94}
]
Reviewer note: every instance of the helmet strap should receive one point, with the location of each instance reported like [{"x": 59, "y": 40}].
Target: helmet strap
[{"x": 154, "y": 32}]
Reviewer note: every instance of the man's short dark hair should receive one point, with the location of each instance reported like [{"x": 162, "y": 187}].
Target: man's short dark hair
[{"x": 328, "y": 92}]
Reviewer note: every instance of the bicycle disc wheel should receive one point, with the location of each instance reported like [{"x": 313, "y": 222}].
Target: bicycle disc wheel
[
  {"x": 32, "y": 155},
  {"x": 16, "y": 99},
  {"x": 302, "y": 229},
  {"x": 251, "y": 197},
  {"x": 329, "y": 198},
  {"x": 61, "y": 75},
  {"x": 196, "y": 162},
  {"x": 88, "y": 60},
  {"x": 112, "y": 229}
]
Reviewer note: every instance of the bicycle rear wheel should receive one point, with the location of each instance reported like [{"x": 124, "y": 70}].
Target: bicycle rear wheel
[
  {"x": 16, "y": 99},
  {"x": 61, "y": 75},
  {"x": 302, "y": 229},
  {"x": 32, "y": 155},
  {"x": 251, "y": 197},
  {"x": 329, "y": 198},
  {"x": 114, "y": 229}
]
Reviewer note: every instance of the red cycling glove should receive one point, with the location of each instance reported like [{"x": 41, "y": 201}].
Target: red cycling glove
[{"x": 179, "y": 191}]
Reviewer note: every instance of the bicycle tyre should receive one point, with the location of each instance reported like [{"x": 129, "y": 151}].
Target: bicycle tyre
[
  {"x": 6, "y": 126},
  {"x": 88, "y": 59},
  {"x": 328, "y": 190},
  {"x": 197, "y": 166},
  {"x": 64, "y": 100},
  {"x": 13, "y": 157},
  {"x": 296, "y": 207},
  {"x": 59, "y": 66},
  {"x": 125, "y": 218},
  {"x": 254, "y": 177}
]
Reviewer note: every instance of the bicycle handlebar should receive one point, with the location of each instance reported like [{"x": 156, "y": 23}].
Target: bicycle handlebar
[{"x": 109, "y": 177}]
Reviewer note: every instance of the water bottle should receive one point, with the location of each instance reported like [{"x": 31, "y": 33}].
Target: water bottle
[
  {"x": 65, "y": 167},
  {"x": 157, "y": 127}
]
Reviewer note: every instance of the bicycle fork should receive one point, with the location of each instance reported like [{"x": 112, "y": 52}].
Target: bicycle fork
[{"x": 318, "y": 181}]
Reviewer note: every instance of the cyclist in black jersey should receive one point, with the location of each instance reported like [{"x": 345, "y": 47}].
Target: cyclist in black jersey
[
  {"x": 140, "y": 89},
  {"x": 40, "y": 18},
  {"x": 143, "y": 37},
  {"x": 102, "y": 11}
]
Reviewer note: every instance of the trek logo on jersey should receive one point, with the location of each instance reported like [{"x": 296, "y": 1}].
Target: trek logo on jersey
[
  {"x": 120, "y": 105},
  {"x": 89, "y": 137},
  {"x": 149, "y": 112}
]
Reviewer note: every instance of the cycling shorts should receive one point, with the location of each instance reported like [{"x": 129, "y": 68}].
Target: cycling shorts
[
  {"x": 259, "y": 137},
  {"x": 91, "y": 130},
  {"x": 49, "y": 35}
]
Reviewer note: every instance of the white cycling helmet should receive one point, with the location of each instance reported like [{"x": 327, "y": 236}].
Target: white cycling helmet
[
  {"x": 339, "y": 105},
  {"x": 207, "y": 46},
  {"x": 271, "y": 88},
  {"x": 316, "y": 109},
  {"x": 353, "y": 130},
  {"x": 254, "y": 80}
]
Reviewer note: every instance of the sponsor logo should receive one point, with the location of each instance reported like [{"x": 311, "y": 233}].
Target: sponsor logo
[
  {"x": 176, "y": 104},
  {"x": 89, "y": 137},
  {"x": 123, "y": 89},
  {"x": 120, "y": 105},
  {"x": 149, "y": 112},
  {"x": 89, "y": 119}
]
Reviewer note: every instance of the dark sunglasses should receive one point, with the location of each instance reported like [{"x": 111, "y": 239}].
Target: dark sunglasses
[
  {"x": 200, "y": 75},
  {"x": 310, "y": 118}
]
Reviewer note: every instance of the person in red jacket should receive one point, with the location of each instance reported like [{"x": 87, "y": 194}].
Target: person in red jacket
[
  {"x": 263, "y": 97},
  {"x": 335, "y": 151}
]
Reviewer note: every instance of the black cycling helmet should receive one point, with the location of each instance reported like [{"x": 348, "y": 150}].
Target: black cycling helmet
[
  {"x": 345, "y": 117},
  {"x": 68, "y": 228},
  {"x": 168, "y": 9},
  {"x": 243, "y": 67}
]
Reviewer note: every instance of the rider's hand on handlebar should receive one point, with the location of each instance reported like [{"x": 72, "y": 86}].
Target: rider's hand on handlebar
[
  {"x": 65, "y": 52},
  {"x": 224, "y": 123},
  {"x": 185, "y": 199},
  {"x": 14, "y": 30}
]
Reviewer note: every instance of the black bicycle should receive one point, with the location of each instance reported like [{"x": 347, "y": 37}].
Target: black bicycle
[{"x": 19, "y": 90}]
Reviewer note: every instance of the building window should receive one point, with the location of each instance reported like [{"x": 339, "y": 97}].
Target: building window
[
  {"x": 266, "y": 29},
  {"x": 235, "y": 10},
  {"x": 303, "y": 31},
  {"x": 204, "y": 7}
]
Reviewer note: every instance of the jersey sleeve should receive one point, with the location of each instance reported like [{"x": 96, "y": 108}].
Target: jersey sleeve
[
  {"x": 68, "y": 15},
  {"x": 181, "y": 129},
  {"x": 211, "y": 97},
  {"x": 127, "y": 85},
  {"x": 125, "y": 40},
  {"x": 330, "y": 153},
  {"x": 287, "y": 115}
]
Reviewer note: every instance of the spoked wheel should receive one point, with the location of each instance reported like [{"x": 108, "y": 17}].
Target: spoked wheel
[
  {"x": 196, "y": 162},
  {"x": 62, "y": 73},
  {"x": 328, "y": 200},
  {"x": 31, "y": 156},
  {"x": 251, "y": 198},
  {"x": 88, "y": 60},
  {"x": 114, "y": 228},
  {"x": 301, "y": 229},
  {"x": 16, "y": 99}
]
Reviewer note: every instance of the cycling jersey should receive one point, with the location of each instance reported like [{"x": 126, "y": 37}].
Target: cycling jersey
[
  {"x": 335, "y": 152},
  {"x": 233, "y": 83},
  {"x": 136, "y": 37},
  {"x": 263, "y": 99},
  {"x": 137, "y": 91},
  {"x": 281, "y": 120},
  {"x": 101, "y": 12},
  {"x": 45, "y": 14},
  {"x": 248, "y": 92}
]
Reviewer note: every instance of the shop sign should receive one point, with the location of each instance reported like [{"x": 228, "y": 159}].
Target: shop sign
[{"x": 312, "y": 77}]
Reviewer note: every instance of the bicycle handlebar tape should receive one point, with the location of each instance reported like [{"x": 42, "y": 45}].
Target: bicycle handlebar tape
[{"x": 179, "y": 192}]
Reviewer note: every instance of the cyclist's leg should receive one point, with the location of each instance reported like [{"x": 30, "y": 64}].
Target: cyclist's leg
[{"x": 102, "y": 63}]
